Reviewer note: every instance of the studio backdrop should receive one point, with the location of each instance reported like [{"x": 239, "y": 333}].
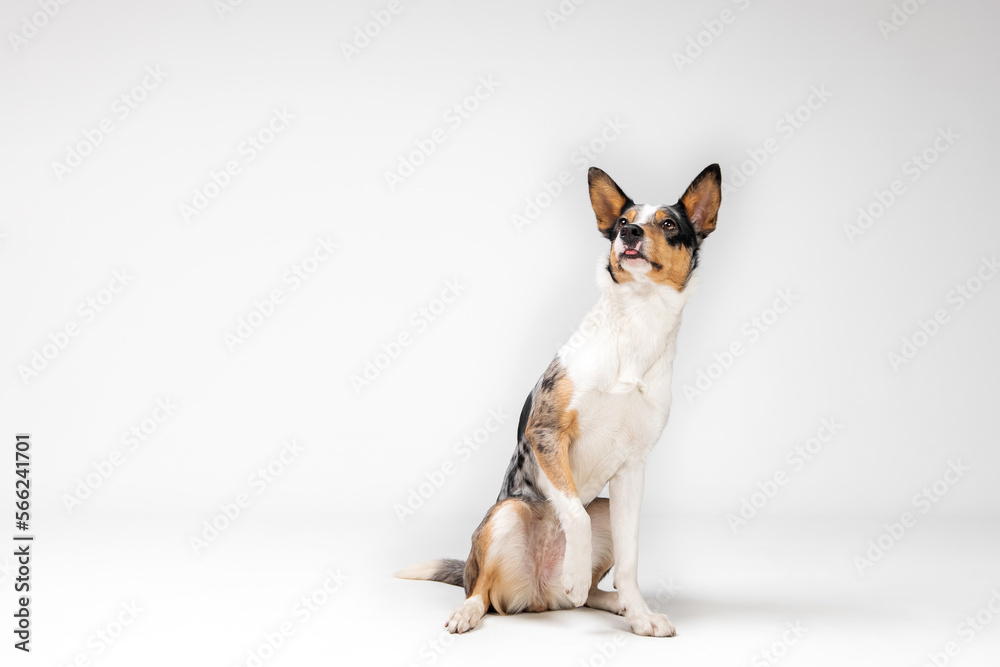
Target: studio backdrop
[{"x": 277, "y": 278}]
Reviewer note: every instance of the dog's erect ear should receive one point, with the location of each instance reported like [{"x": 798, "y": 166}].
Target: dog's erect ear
[
  {"x": 607, "y": 199},
  {"x": 702, "y": 198}
]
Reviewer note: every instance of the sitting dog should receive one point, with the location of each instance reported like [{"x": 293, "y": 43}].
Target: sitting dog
[{"x": 591, "y": 420}]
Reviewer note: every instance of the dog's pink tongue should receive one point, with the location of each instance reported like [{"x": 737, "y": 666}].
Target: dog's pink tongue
[{"x": 631, "y": 252}]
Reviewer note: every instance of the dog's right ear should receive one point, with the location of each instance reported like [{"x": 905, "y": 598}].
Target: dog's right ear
[{"x": 607, "y": 199}]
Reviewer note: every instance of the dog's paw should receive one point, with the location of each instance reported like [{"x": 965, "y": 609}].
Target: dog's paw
[
  {"x": 466, "y": 617},
  {"x": 606, "y": 600},
  {"x": 651, "y": 625},
  {"x": 576, "y": 575},
  {"x": 576, "y": 591}
]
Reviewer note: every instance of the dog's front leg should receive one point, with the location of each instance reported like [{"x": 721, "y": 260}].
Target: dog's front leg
[
  {"x": 550, "y": 430},
  {"x": 557, "y": 484},
  {"x": 626, "y": 500}
]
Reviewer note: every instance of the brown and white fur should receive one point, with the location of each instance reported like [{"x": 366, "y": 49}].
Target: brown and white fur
[{"x": 591, "y": 420}]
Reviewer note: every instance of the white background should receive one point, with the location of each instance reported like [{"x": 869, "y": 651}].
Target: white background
[{"x": 886, "y": 96}]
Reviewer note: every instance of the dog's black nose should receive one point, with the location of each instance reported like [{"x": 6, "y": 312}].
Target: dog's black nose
[{"x": 631, "y": 233}]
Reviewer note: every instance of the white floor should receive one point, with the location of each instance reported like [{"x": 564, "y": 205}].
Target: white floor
[{"x": 732, "y": 597}]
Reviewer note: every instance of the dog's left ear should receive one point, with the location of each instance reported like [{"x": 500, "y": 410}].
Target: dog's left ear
[
  {"x": 702, "y": 199},
  {"x": 607, "y": 199}
]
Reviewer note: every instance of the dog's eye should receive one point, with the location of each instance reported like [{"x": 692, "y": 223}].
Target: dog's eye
[
  {"x": 669, "y": 224},
  {"x": 621, "y": 221}
]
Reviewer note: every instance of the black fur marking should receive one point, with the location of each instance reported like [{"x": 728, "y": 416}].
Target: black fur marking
[
  {"x": 522, "y": 422},
  {"x": 611, "y": 273},
  {"x": 694, "y": 264},
  {"x": 684, "y": 234}
]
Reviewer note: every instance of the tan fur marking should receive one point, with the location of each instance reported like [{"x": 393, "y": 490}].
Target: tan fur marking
[
  {"x": 483, "y": 581},
  {"x": 606, "y": 198},
  {"x": 552, "y": 428},
  {"x": 477, "y": 556},
  {"x": 702, "y": 199},
  {"x": 674, "y": 262}
]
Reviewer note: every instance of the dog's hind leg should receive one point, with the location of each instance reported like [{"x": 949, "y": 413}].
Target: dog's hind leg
[
  {"x": 603, "y": 556},
  {"x": 499, "y": 571}
]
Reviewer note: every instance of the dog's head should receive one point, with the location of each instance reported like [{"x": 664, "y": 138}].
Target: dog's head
[{"x": 655, "y": 243}]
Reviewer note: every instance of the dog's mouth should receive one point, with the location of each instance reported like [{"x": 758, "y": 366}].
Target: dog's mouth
[{"x": 633, "y": 253}]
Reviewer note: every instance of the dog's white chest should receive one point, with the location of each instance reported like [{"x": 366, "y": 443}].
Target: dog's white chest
[
  {"x": 620, "y": 363},
  {"x": 614, "y": 428}
]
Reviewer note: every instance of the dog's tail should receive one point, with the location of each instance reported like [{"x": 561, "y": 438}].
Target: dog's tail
[{"x": 446, "y": 570}]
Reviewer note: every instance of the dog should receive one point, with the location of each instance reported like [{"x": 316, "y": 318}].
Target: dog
[{"x": 591, "y": 420}]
